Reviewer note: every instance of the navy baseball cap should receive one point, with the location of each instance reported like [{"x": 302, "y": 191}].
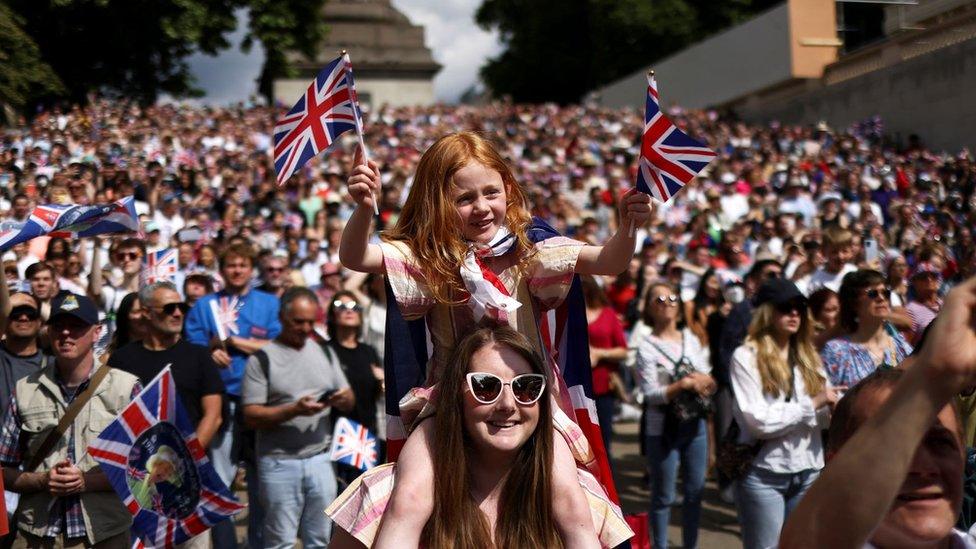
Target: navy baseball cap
[
  {"x": 777, "y": 291},
  {"x": 78, "y": 306}
]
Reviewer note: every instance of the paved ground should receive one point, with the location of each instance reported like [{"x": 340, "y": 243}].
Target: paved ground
[{"x": 719, "y": 526}]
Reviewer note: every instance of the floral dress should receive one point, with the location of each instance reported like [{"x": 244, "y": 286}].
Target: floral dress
[{"x": 847, "y": 362}]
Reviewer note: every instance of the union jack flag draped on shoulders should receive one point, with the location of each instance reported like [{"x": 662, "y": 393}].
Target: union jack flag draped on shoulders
[
  {"x": 161, "y": 265},
  {"x": 329, "y": 107},
  {"x": 353, "y": 445},
  {"x": 71, "y": 221},
  {"x": 669, "y": 159},
  {"x": 155, "y": 463}
]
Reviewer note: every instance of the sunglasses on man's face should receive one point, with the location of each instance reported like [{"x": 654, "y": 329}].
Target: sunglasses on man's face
[
  {"x": 170, "y": 308},
  {"x": 874, "y": 293},
  {"x": 487, "y": 388},
  {"x": 662, "y": 299},
  {"x": 127, "y": 256},
  {"x": 346, "y": 305},
  {"x": 24, "y": 312}
]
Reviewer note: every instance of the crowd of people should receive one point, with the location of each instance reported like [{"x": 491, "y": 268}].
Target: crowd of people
[{"x": 803, "y": 261}]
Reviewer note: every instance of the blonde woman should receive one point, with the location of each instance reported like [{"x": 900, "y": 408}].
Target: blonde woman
[{"x": 782, "y": 402}]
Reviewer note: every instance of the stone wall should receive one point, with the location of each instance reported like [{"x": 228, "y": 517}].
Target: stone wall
[{"x": 932, "y": 95}]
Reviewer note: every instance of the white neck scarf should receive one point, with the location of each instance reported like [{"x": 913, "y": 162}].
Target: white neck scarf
[{"x": 486, "y": 299}]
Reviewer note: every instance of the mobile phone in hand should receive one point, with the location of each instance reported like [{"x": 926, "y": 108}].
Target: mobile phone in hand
[
  {"x": 871, "y": 251},
  {"x": 324, "y": 399}
]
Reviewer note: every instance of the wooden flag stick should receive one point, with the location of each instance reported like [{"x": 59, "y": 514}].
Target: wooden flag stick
[{"x": 359, "y": 124}]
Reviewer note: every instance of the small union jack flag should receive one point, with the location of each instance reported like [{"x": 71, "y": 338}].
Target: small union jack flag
[
  {"x": 354, "y": 445},
  {"x": 224, "y": 310},
  {"x": 669, "y": 159},
  {"x": 155, "y": 463},
  {"x": 161, "y": 265},
  {"x": 328, "y": 108}
]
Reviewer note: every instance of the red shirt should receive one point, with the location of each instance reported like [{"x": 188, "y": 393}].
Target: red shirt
[{"x": 605, "y": 332}]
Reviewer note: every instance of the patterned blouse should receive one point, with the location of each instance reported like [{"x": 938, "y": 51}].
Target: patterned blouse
[{"x": 847, "y": 362}]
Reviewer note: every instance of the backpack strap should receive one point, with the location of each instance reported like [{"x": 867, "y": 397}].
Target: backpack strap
[{"x": 262, "y": 357}]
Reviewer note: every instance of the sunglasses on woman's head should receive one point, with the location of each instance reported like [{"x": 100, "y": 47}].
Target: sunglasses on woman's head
[
  {"x": 666, "y": 299},
  {"x": 487, "y": 388},
  {"x": 874, "y": 293},
  {"x": 347, "y": 305}
]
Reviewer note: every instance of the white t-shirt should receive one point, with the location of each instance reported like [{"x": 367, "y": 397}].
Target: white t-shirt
[{"x": 821, "y": 279}]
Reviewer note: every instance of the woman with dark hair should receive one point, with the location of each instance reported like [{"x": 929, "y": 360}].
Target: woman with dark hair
[
  {"x": 493, "y": 457},
  {"x": 608, "y": 348},
  {"x": 673, "y": 369},
  {"x": 825, "y": 310},
  {"x": 360, "y": 364},
  {"x": 867, "y": 341},
  {"x": 129, "y": 324},
  {"x": 708, "y": 299}
]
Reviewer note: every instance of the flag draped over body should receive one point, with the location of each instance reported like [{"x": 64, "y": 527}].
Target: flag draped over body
[
  {"x": 329, "y": 108},
  {"x": 71, "y": 221},
  {"x": 155, "y": 463},
  {"x": 669, "y": 159},
  {"x": 564, "y": 333}
]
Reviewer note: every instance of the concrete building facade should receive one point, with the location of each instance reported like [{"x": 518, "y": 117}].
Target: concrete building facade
[
  {"x": 390, "y": 62},
  {"x": 786, "y": 64}
]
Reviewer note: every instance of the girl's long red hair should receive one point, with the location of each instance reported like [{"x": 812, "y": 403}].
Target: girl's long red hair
[{"x": 428, "y": 223}]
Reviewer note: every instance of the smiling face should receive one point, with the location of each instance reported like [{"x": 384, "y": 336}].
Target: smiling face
[
  {"x": 480, "y": 199},
  {"x": 925, "y": 510},
  {"x": 505, "y": 425}
]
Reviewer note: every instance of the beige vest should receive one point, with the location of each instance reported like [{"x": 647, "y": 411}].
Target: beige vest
[{"x": 40, "y": 406}]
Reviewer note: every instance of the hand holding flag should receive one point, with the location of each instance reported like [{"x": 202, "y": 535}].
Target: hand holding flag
[
  {"x": 329, "y": 108},
  {"x": 669, "y": 159}
]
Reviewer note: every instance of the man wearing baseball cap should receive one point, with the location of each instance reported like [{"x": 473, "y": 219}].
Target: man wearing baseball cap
[
  {"x": 926, "y": 280},
  {"x": 65, "y": 497}
]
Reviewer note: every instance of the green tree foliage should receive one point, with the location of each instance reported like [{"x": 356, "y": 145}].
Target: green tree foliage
[
  {"x": 557, "y": 50},
  {"x": 137, "y": 48},
  {"x": 283, "y": 26},
  {"x": 23, "y": 74}
]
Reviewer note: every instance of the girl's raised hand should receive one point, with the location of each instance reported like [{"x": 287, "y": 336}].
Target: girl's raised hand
[
  {"x": 364, "y": 181},
  {"x": 634, "y": 207}
]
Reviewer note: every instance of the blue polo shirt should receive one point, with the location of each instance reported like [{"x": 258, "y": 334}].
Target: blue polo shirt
[{"x": 257, "y": 317}]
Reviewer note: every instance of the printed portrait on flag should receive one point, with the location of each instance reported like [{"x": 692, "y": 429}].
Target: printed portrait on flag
[
  {"x": 161, "y": 474},
  {"x": 156, "y": 465}
]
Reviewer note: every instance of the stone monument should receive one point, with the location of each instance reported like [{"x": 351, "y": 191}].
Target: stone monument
[{"x": 391, "y": 64}]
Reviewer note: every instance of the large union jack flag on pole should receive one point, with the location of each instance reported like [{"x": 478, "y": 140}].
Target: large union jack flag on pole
[
  {"x": 328, "y": 108},
  {"x": 161, "y": 265},
  {"x": 669, "y": 159},
  {"x": 155, "y": 463}
]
